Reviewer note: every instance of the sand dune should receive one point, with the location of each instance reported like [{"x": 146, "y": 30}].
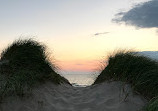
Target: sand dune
[{"x": 113, "y": 96}]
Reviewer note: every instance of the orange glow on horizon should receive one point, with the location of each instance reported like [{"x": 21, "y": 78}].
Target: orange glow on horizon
[{"x": 79, "y": 65}]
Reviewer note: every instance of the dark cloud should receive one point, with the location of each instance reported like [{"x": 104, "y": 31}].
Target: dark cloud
[
  {"x": 144, "y": 15},
  {"x": 96, "y": 34}
]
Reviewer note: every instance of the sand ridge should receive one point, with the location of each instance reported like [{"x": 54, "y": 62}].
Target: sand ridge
[{"x": 112, "y": 96}]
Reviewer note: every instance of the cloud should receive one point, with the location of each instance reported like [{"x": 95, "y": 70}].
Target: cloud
[
  {"x": 144, "y": 15},
  {"x": 79, "y": 64},
  {"x": 96, "y": 34}
]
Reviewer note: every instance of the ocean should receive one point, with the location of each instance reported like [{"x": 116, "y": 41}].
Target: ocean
[{"x": 80, "y": 79}]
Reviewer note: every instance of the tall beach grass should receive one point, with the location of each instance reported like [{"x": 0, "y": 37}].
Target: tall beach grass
[
  {"x": 24, "y": 64},
  {"x": 141, "y": 72}
]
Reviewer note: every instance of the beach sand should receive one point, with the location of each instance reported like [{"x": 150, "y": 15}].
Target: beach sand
[{"x": 112, "y": 96}]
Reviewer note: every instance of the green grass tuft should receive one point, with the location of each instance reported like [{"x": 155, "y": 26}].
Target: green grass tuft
[{"x": 152, "y": 105}]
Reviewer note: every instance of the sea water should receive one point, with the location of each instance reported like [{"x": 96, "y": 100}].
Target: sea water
[{"x": 80, "y": 79}]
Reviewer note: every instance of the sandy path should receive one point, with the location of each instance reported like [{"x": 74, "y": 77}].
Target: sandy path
[{"x": 103, "y": 97}]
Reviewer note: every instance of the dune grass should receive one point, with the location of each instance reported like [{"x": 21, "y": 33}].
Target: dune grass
[
  {"x": 141, "y": 72},
  {"x": 23, "y": 65}
]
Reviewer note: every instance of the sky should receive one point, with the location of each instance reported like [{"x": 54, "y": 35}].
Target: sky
[{"x": 81, "y": 33}]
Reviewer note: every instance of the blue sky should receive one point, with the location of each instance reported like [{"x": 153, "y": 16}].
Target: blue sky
[
  {"x": 50, "y": 18},
  {"x": 76, "y": 31}
]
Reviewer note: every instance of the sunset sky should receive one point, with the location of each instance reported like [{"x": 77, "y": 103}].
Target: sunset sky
[{"x": 80, "y": 33}]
